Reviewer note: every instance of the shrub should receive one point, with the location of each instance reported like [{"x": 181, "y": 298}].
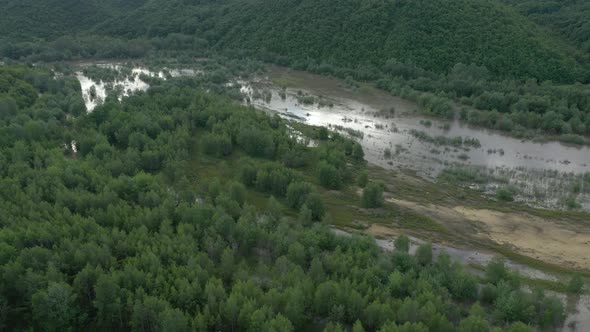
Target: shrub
[
  {"x": 372, "y": 196},
  {"x": 316, "y": 205},
  {"x": 329, "y": 176},
  {"x": 505, "y": 194},
  {"x": 297, "y": 194},
  {"x": 575, "y": 285},
  {"x": 402, "y": 243}
]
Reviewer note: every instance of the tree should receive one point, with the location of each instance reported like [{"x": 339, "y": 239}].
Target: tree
[
  {"x": 362, "y": 179},
  {"x": 54, "y": 308},
  {"x": 372, "y": 196},
  {"x": 174, "y": 320},
  {"x": 305, "y": 215},
  {"x": 424, "y": 254},
  {"x": 315, "y": 203},
  {"x": 329, "y": 176},
  {"x": 357, "y": 152},
  {"x": 273, "y": 208},
  {"x": 107, "y": 302},
  {"x": 358, "y": 326},
  {"x": 474, "y": 324},
  {"x": 402, "y": 243},
  {"x": 297, "y": 194},
  {"x": 237, "y": 192}
]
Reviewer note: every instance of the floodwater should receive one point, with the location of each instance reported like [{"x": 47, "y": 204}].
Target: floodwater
[
  {"x": 539, "y": 169},
  {"x": 127, "y": 85},
  {"x": 395, "y": 136}
]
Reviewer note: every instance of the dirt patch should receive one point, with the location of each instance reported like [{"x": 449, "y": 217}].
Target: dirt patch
[
  {"x": 533, "y": 236},
  {"x": 543, "y": 239},
  {"x": 381, "y": 231}
]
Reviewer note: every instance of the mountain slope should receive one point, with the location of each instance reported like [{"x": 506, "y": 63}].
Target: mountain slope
[
  {"x": 28, "y": 19},
  {"x": 569, "y": 18},
  {"x": 434, "y": 34}
]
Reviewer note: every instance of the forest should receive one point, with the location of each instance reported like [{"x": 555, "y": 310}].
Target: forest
[
  {"x": 517, "y": 77},
  {"x": 120, "y": 219},
  {"x": 182, "y": 208}
]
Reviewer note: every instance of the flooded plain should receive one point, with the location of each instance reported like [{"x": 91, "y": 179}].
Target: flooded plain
[
  {"x": 95, "y": 91},
  {"x": 394, "y": 135}
]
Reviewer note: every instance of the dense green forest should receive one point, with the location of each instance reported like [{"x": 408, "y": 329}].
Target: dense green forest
[
  {"x": 348, "y": 33},
  {"x": 480, "y": 60},
  {"x": 568, "y": 18},
  {"x": 54, "y": 18},
  {"x": 180, "y": 210}
]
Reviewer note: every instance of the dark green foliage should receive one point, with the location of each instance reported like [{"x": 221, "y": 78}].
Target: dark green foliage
[
  {"x": 505, "y": 194},
  {"x": 568, "y": 18},
  {"x": 372, "y": 196},
  {"x": 367, "y": 43},
  {"x": 329, "y": 176},
  {"x": 216, "y": 145},
  {"x": 297, "y": 194},
  {"x": 362, "y": 179},
  {"x": 402, "y": 243},
  {"x": 140, "y": 229},
  {"x": 316, "y": 205},
  {"x": 474, "y": 324},
  {"x": 424, "y": 254},
  {"x": 256, "y": 142}
]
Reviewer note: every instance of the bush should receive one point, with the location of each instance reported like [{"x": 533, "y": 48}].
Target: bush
[
  {"x": 329, "y": 176},
  {"x": 575, "y": 285},
  {"x": 216, "y": 145},
  {"x": 316, "y": 205},
  {"x": 362, "y": 179},
  {"x": 424, "y": 254},
  {"x": 402, "y": 243},
  {"x": 372, "y": 196},
  {"x": 248, "y": 173},
  {"x": 297, "y": 193},
  {"x": 505, "y": 194},
  {"x": 256, "y": 142}
]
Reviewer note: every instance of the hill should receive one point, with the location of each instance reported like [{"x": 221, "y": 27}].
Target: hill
[
  {"x": 32, "y": 19},
  {"x": 433, "y": 34},
  {"x": 570, "y": 18}
]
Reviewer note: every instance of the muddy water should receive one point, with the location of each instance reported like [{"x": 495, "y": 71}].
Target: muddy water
[
  {"x": 538, "y": 169},
  {"x": 578, "y": 311}
]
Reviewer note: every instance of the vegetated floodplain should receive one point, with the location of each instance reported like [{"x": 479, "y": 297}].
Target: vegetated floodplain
[
  {"x": 174, "y": 195},
  {"x": 223, "y": 202},
  {"x": 546, "y": 173}
]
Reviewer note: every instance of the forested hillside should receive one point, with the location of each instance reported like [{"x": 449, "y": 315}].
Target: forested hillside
[
  {"x": 569, "y": 18},
  {"x": 31, "y": 19},
  {"x": 431, "y": 34}
]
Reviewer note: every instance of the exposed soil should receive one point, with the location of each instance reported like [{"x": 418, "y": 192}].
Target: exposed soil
[{"x": 544, "y": 239}]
